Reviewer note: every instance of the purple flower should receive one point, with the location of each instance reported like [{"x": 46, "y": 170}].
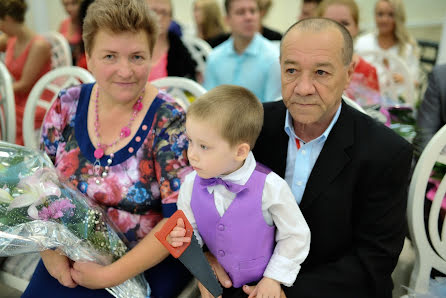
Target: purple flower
[{"x": 56, "y": 209}]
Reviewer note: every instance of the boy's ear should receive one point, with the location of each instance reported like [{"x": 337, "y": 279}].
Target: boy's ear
[{"x": 243, "y": 151}]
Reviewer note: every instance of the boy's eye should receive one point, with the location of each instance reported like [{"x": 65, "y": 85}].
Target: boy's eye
[{"x": 203, "y": 147}]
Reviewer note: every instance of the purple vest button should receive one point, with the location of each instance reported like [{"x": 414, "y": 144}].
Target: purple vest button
[
  {"x": 221, "y": 227},
  {"x": 221, "y": 253}
]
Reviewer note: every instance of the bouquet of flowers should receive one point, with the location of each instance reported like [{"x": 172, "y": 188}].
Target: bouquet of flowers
[{"x": 38, "y": 211}]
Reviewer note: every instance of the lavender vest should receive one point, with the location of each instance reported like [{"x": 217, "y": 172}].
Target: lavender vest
[{"x": 241, "y": 240}]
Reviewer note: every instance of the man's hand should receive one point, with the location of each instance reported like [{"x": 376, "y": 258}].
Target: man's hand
[
  {"x": 266, "y": 288},
  {"x": 58, "y": 266},
  {"x": 92, "y": 275},
  {"x": 176, "y": 237},
  {"x": 221, "y": 274},
  {"x": 250, "y": 290}
]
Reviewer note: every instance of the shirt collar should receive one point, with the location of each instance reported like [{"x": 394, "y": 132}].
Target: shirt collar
[
  {"x": 251, "y": 49},
  {"x": 242, "y": 175},
  {"x": 289, "y": 127}
]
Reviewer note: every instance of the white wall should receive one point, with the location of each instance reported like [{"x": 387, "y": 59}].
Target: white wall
[{"x": 46, "y": 15}]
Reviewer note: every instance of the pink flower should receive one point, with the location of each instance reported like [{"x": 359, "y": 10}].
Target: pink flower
[
  {"x": 147, "y": 222},
  {"x": 107, "y": 193},
  {"x": 56, "y": 209},
  {"x": 124, "y": 221},
  {"x": 68, "y": 164}
]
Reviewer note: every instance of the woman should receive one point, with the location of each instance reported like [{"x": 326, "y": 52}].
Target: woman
[
  {"x": 170, "y": 57},
  {"x": 364, "y": 85},
  {"x": 392, "y": 37},
  {"x": 70, "y": 27},
  {"x": 208, "y": 19},
  {"x": 121, "y": 142},
  {"x": 27, "y": 57}
]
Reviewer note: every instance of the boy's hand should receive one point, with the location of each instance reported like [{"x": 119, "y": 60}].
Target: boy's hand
[
  {"x": 91, "y": 275},
  {"x": 176, "y": 236},
  {"x": 266, "y": 288}
]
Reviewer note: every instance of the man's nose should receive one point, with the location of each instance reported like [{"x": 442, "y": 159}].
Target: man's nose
[{"x": 304, "y": 85}]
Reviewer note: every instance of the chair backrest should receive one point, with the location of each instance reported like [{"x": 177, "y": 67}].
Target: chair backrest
[
  {"x": 199, "y": 50},
  {"x": 45, "y": 91},
  {"x": 180, "y": 88},
  {"x": 430, "y": 242},
  {"x": 60, "y": 50},
  {"x": 387, "y": 64},
  {"x": 7, "y": 106}
]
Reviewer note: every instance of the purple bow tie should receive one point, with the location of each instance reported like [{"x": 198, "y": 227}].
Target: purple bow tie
[{"x": 232, "y": 187}]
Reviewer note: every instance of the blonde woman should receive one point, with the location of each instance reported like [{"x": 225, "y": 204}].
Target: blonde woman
[
  {"x": 208, "y": 19},
  {"x": 392, "y": 36}
]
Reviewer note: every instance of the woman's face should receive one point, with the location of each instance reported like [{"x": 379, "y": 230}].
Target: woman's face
[
  {"x": 342, "y": 14},
  {"x": 198, "y": 13},
  {"x": 120, "y": 62},
  {"x": 384, "y": 17},
  {"x": 164, "y": 11},
  {"x": 71, "y": 7}
]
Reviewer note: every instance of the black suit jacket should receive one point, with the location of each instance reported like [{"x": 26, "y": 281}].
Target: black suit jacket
[{"x": 354, "y": 204}]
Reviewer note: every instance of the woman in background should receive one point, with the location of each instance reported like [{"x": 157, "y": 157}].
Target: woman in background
[
  {"x": 364, "y": 84},
  {"x": 208, "y": 19},
  {"x": 27, "y": 57},
  {"x": 70, "y": 27},
  {"x": 392, "y": 37},
  {"x": 170, "y": 56}
]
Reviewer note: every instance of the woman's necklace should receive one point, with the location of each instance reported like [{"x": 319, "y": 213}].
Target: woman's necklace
[{"x": 101, "y": 148}]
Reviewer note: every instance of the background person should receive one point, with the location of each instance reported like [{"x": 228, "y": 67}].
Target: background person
[
  {"x": 27, "y": 57},
  {"x": 208, "y": 19},
  {"x": 170, "y": 57},
  {"x": 70, "y": 27},
  {"x": 124, "y": 119}
]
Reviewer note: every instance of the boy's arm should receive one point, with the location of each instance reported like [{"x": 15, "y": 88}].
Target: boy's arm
[
  {"x": 292, "y": 232},
  {"x": 146, "y": 254}
]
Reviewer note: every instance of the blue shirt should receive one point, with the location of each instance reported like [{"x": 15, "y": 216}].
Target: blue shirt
[
  {"x": 256, "y": 69},
  {"x": 300, "y": 162}
]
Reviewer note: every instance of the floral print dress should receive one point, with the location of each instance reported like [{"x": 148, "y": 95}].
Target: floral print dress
[{"x": 145, "y": 176}]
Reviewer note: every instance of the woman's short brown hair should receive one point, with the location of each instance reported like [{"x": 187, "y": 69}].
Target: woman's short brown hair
[
  {"x": 16, "y": 9},
  {"x": 119, "y": 16}
]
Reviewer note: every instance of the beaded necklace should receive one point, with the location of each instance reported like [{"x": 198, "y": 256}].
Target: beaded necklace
[{"x": 101, "y": 148}]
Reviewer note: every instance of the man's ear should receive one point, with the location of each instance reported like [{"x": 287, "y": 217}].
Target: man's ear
[{"x": 243, "y": 150}]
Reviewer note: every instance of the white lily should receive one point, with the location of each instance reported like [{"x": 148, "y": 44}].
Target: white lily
[
  {"x": 36, "y": 188},
  {"x": 5, "y": 197}
]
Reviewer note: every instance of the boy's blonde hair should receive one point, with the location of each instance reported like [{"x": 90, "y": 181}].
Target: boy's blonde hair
[
  {"x": 119, "y": 16},
  {"x": 235, "y": 110}
]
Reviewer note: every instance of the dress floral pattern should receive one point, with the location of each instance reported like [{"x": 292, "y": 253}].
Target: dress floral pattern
[{"x": 145, "y": 176}]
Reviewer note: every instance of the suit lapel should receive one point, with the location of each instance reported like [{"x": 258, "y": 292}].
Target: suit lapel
[{"x": 333, "y": 157}]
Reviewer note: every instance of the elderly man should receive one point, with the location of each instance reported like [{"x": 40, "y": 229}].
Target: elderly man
[{"x": 348, "y": 173}]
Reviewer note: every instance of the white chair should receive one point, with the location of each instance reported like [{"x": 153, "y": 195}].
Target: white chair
[
  {"x": 430, "y": 243},
  {"x": 199, "y": 50},
  {"x": 60, "y": 50},
  {"x": 7, "y": 106},
  {"x": 179, "y": 88},
  {"x": 49, "y": 86},
  {"x": 386, "y": 64}
]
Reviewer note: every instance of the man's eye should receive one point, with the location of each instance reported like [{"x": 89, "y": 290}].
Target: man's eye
[
  {"x": 290, "y": 70},
  {"x": 320, "y": 72}
]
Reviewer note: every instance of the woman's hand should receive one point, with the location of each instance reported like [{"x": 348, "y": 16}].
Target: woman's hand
[
  {"x": 92, "y": 275},
  {"x": 58, "y": 266}
]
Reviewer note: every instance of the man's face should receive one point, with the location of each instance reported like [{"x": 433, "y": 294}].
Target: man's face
[
  {"x": 243, "y": 18},
  {"x": 313, "y": 75},
  {"x": 308, "y": 10}
]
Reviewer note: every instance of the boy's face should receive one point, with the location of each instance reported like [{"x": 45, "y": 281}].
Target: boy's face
[{"x": 208, "y": 153}]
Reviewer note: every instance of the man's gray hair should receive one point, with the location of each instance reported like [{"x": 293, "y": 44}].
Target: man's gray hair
[{"x": 319, "y": 24}]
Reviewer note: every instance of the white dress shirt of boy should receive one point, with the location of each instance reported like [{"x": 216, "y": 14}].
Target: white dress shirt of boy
[{"x": 279, "y": 208}]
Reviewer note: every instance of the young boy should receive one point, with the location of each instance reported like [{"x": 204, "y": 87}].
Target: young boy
[{"x": 238, "y": 207}]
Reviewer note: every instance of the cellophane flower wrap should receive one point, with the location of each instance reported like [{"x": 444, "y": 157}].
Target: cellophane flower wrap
[{"x": 39, "y": 211}]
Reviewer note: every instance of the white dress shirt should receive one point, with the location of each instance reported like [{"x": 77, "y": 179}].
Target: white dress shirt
[{"x": 279, "y": 208}]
